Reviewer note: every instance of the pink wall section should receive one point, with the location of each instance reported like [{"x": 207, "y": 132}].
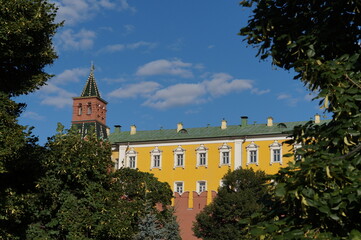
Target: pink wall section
[{"x": 185, "y": 215}]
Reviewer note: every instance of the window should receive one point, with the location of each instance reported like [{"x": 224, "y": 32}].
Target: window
[
  {"x": 202, "y": 156},
  {"x": 89, "y": 108},
  {"x": 131, "y": 157},
  {"x": 276, "y": 155},
  {"x": 156, "y": 161},
  {"x": 156, "y": 158},
  {"x": 178, "y": 187},
  {"x": 179, "y": 157},
  {"x": 253, "y": 156},
  {"x": 180, "y": 160},
  {"x": 225, "y": 157},
  {"x": 252, "y": 153},
  {"x": 276, "y": 152},
  {"x": 225, "y": 154},
  {"x": 201, "y": 186},
  {"x": 132, "y": 162},
  {"x": 80, "y": 109}
]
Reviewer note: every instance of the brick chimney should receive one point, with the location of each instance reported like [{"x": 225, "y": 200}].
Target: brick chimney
[
  {"x": 133, "y": 130},
  {"x": 269, "y": 121}
]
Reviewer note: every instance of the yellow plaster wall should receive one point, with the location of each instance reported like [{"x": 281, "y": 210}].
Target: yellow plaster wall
[
  {"x": 190, "y": 174},
  {"x": 264, "y": 156},
  {"x": 213, "y": 173}
]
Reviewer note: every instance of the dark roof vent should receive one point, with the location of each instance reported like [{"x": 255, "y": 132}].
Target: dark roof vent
[
  {"x": 183, "y": 131},
  {"x": 281, "y": 125}
]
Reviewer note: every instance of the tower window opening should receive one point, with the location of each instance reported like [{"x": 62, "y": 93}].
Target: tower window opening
[
  {"x": 89, "y": 111},
  {"x": 80, "y": 109}
]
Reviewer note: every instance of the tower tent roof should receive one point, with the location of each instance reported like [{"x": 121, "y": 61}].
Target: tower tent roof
[{"x": 91, "y": 88}]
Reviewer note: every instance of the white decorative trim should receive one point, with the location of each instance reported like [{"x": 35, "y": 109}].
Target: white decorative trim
[
  {"x": 252, "y": 149},
  {"x": 177, "y": 152},
  {"x": 238, "y": 154},
  {"x": 155, "y": 152},
  {"x": 223, "y": 151},
  {"x": 275, "y": 152},
  {"x": 129, "y": 155},
  {"x": 202, "y": 150}
]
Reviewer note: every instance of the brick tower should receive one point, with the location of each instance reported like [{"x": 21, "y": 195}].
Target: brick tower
[{"x": 89, "y": 110}]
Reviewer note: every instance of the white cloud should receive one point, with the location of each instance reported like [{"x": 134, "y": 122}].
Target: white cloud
[
  {"x": 70, "y": 40},
  {"x": 291, "y": 101},
  {"x": 283, "y": 96},
  {"x": 222, "y": 84},
  {"x": 135, "y": 90},
  {"x": 131, "y": 46},
  {"x": 113, "y": 48},
  {"x": 166, "y": 67},
  {"x": 260, "y": 92},
  {"x": 53, "y": 95},
  {"x": 76, "y": 11},
  {"x": 33, "y": 115},
  {"x": 183, "y": 93},
  {"x": 141, "y": 44},
  {"x": 70, "y": 75},
  {"x": 176, "y": 95},
  {"x": 124, "y": 6}
]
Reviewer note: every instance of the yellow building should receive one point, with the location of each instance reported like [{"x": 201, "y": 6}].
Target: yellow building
[
  {"x": 192, "y": 160},
  {"x": 196, "y": 159}
]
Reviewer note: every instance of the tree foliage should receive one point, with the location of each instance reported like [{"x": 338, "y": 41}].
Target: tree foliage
[
  {"x": 320, "y": 41},
  {"x": 79, "y": 197},
  {"x": 26, "y": 31},
  {"x": 243, "y": 193}
]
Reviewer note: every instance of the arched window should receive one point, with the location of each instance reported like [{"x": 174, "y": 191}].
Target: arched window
[
  {"x": 80, "y": 109},
  {"x": 89, "y": 108}
]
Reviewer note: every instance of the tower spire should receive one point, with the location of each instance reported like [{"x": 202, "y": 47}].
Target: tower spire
[{"x": 91, "y": 88}]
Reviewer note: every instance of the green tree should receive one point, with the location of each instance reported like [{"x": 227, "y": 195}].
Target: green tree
[
  {"x": 242, "y": 194},
  {"x": 26, "y": 31},
  {"x": 80, "y": 197},
  {"x": 153, "y": 228},
  {"x": 319, "y": 196},
  {"x": 19, "y": 170}
]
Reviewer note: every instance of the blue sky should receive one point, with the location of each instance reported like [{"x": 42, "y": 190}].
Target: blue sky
[{"x": 158, "y": 63}]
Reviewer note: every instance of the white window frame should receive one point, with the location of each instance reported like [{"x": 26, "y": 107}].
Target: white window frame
[
  {"x": 155, "y": 152},
  {"x": 202, "y": 150},
  {"x": 130, "y": 154},
  {"x": 275, "y": 146},
  {"x": 250, "y": 148},
  {"x": 201, "y": 186},
  {"x": 297, "y": 157},
  {"x": 179, "y": 151},
  {"x": 176, "y": 187},
  {"x": 223, "y": 149}
]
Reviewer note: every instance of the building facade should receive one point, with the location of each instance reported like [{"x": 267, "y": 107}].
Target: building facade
[
  {"x": 191, "y": 160},
  {"x": 194, "y": 160}
]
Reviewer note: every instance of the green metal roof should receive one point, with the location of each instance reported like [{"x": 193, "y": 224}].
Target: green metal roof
[
  {"x": 91, "y": 88},
  {"x": 206, "y": 132},
  {"x": 85, "y": 126}
]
